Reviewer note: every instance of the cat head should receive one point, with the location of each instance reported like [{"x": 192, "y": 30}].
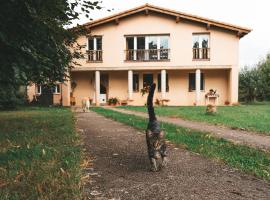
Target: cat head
[{"x": 156, "y": 139}]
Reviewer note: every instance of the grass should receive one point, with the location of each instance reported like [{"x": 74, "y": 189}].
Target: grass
[
  {"x": 249, "y": 117},
  {"x": 39, "y": 154},
  {"x": 242, "y": 157}
]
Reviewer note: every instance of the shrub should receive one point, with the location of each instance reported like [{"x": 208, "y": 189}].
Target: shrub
[{"x": 113, "y": 101}]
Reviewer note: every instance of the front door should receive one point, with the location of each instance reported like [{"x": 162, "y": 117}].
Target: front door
[
  {"x": 147, "y": 80},
  {"x": 104, "y": 83}
]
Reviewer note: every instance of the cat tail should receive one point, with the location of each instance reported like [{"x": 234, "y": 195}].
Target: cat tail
[{"x": 151, "y": 111}]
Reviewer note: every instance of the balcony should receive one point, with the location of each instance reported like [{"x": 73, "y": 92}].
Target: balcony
[
  {"x": 147, "y": 55},
  {"x": 201, "y": 53},
  {"x": 94, "y": 55}
]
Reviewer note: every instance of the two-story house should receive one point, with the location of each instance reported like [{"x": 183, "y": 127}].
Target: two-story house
[{"x": 186, "y": 55}]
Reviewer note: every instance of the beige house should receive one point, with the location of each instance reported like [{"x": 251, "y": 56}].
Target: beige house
[{"x": 186, "y": 55}]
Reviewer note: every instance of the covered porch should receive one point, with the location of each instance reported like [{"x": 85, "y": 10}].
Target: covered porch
[{"x": 184, "y": 87}]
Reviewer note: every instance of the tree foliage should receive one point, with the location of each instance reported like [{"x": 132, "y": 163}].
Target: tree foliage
[
  {"x": 34, "y": 43},
  {"x": 254, "y": 83}
]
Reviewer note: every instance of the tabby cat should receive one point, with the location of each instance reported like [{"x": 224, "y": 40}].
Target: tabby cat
[{"x": 155, "y": 137}]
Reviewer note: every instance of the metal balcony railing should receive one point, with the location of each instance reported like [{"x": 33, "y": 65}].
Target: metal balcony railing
[
  {"x": 94, "y": 55},
  {"x": 201, "y": 53},
  {"x": 147, "y": 54}
]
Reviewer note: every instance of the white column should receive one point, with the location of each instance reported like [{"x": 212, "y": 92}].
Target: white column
[
  {"x": 158, "y": 47},
  {"x": 130, "y": 84},
  {"x": 198, "y": 86},
  {"x": 163, "y": 84},
  {"x": 95, "y": 49},
  {"x": 135, "y": 48},
  {"x": 97, "y": 80},
  {"x": 146, "y": 54}
]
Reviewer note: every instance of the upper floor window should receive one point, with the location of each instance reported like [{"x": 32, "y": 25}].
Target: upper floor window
[
  {"x": 94, "y": 48},
  {"x": 147, "y": 48},
  {"x": 201, "y": 46}
]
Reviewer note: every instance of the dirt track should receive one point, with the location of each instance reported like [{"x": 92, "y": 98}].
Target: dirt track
[{"x": 121, "y": 168}]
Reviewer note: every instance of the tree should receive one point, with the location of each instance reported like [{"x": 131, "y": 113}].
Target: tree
[
  {"x": 248, "y": 84},
  {"x": 34, "y": 43},
  {"x": 254, "y": 83},
  {"x": 264, "y": 71}
]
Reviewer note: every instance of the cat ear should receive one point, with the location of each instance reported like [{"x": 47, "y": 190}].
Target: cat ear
[
  {"x": 161, "y": 134},
  {"x": 149, "y": 133}
]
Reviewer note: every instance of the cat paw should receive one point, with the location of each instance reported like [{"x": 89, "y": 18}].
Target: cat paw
[
  {"x": 164, "y": 162},
  {"x": 153, "y": 169}
]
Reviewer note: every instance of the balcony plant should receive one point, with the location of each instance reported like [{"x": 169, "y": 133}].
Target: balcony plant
[{"x": 113, "y": 101}]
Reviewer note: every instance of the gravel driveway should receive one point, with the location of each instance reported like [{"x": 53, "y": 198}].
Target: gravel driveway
[{"x": 121, "y": 168}]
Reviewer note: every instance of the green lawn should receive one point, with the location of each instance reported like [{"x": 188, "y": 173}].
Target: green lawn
[
  {"x": 248, "y": 117},
  {"x": 39, "y": 154},
  {"x": 242, "y": 157}
]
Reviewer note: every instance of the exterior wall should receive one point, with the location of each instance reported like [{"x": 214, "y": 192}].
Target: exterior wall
[
  {"x": 223, "y": 45},
  {"x": 31, "y": 92},
  {"x": 85, "y": 86},
  {"x": 64, "y": 94}
]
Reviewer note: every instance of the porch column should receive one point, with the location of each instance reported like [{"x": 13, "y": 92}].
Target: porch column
[
  {"x": 198, "y": 86},
  {"x": 97, "y": 79},
  {"x": 130, "y": 84},
  {"x": 163, "y": 84}
]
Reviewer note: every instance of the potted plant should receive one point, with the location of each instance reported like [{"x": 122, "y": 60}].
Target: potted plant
[{"x": 113, "y": 101}]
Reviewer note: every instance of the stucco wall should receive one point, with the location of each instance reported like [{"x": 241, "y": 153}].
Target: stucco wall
[{"x": 223, "y": 45}]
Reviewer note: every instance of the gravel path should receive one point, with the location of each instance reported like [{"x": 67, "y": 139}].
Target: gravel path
[
  {"x": 237, "y": 136},
  {"x": 120, "y": 168}
]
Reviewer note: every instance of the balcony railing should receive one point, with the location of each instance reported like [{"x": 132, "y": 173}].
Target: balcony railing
[
  {"x": 201, "y": 53},
  {"x": 147, "y": 54},
  {"x": 94, "y": 55}
]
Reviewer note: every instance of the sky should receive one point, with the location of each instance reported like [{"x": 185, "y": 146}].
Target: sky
[{"x": 247, "y": 13}]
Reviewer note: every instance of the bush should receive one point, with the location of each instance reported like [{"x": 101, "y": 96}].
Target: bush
[
  {"x": 113, "y": 101},
  {"x": 11, "y": 96}
]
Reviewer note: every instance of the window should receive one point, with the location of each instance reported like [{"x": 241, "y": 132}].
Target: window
[
  {"x": 164, "y": 46},
  {"x": 192, "y": 82},
  {"x": 136, "y": 82},
  {"x": 130, "y": 48},
  {"x": 152, "y": 46},
  {"x": 201, "y": 46},
  {"x": 38, "y": 89},
  {"x": 159, "y": 82},
  {"x": 56, "y": 89},
  {"x": 147, "y": 48},
  {"x": 94, "y": 48}
]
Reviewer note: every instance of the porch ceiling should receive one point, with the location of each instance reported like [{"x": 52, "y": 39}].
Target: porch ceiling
[{"x": 151, "y": 68}]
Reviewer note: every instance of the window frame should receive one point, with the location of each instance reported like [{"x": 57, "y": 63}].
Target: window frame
[
  {"x": 38, "y": 89},
  {"x": 95, "y": 49},
  {"x": 55, "y": 89},
  {"x": 199, "y": 34},
  {"x": 133, "y": 81},
  {"x": 149, "y": 54}
]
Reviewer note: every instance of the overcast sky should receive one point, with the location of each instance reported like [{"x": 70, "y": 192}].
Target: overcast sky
[{"x": 248, "y": 13}]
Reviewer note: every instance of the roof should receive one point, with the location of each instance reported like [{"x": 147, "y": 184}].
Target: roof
[{"x": 241, "y": 31}]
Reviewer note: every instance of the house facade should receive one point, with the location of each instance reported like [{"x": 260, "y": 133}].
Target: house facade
[{"x": 185, "y": 55}]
